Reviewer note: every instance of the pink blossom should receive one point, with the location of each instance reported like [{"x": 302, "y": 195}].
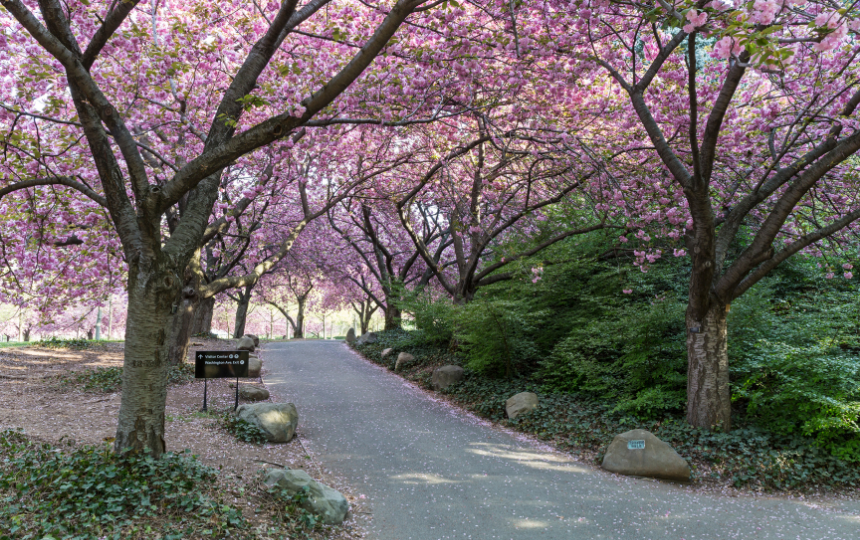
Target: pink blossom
[
  {"x": 627, "y": 291},
  {"x": 696, "y": 20},
  {"x": 848, "y": 275},
  {"x": 847, "y": 266}
]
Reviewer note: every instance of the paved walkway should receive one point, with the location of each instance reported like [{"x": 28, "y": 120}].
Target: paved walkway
[{"x": 435, "y": 473}]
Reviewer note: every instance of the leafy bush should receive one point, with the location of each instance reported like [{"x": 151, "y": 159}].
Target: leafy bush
[
  {"x": 804, "y": 390},
  {"x": 496, "y": 335},
  {"x": 636, "y": 359},
  {"x": 433, "y": 318},
  {"x": 242, "y": 429},
  {"x": 92, "y": 492}
]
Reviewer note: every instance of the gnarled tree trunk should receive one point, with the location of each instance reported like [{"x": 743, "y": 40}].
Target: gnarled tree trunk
[
  {"x": 393, "y": 316},
  {"x": 202, "y": 323},
  {"x": 708, "y": 394},
  {"x": 151, "y": 296},
  {"x": 299, "y": 327},
  {"x": 242, "y": 311}
]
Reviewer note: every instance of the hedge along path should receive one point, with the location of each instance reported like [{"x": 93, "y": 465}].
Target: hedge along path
[{"x": 432, "y": 471}]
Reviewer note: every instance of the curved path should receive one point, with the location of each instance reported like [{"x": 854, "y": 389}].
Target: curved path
[{"x": 432, "y": 472}]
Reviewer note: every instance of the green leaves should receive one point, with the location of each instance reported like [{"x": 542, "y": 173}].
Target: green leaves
[{"x": 91, "y": 492}]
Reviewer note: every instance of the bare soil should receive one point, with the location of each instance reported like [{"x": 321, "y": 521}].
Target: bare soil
[{"x": 35, "y": 398}]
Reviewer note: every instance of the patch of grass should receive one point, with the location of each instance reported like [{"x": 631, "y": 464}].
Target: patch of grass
[
  {"x": 109, "y": 379},
  {"x": 91, "y": 492},
  {"x": 748, "y": 457}
]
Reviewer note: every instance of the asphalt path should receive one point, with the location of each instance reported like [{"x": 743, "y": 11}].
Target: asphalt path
[{"x": 432, "y": 472}]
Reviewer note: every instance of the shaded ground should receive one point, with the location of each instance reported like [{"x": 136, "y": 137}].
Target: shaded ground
[
  {"x": 432, "y": 471},
  {"x": 32, "y": 397}
]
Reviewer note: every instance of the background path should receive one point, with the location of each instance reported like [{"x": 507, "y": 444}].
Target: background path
[{"x": 432, "y": 472}]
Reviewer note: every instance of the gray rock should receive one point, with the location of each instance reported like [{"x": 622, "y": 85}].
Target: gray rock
[
  {"x": 245, "y": 344},
  {"x": 350, "y": 335},
  {"x": 255, "y": 338},
  {"x": 322, "y": 500},
  {"x": 521, "y": 403},
  {"x": 278, "y": 420},
  {"x": 445, "y": 376},
  {"x": 403, "y": 360},
  {"x": 366, "y": 339},
  {"x": 254, "y": 367},
  {"x": 386, "y": 352},
  {"x": 253, "y": 393},
  {"x": 657, "y": 459}
]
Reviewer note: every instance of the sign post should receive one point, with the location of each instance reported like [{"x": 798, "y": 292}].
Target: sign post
[{"x": 220, "y": 365}]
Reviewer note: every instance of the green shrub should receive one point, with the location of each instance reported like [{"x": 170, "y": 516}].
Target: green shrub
[
  {"x": 636, "y": 359},
  {"x": 433, "y": 318},
  {"x": 497, "y": 335},
  {"x": 91, "y": 492},
  {"x": 803, "y": 390}
]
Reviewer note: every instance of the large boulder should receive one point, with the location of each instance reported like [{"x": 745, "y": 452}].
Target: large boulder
[
  {"x": 366, "y": 338},
  {"x": 323, "y": 501},
  {"x": 445, "y": 376},
  {"x": 350, "y": 335},
  {"x": 255, "y": 338},
  {"x": 278, "y": 420},
  {"x": 253, "y": 393},
  {"x": 521, "y": 403},
  {"x": 640, "y": 453},
  {"x": 254, "y": 367},
  {"x": 245, "y": 344},
  {"x": 386, "y": 352},
  {"x": 403, "y": 360}
]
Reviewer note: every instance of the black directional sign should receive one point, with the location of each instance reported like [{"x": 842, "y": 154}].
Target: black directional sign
[{"x": 220, "y": 364}]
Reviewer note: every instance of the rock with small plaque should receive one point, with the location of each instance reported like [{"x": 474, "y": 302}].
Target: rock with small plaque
[{"x": 641, "y": 453}]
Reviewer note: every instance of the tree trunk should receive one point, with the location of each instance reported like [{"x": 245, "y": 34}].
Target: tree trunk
[
  {"x": 392, "y": 316},
  {"x": 300, "y": 319},
  {"x": 151, "y": 296},
  {"x": 202, "y": 323},
  {"x": 242, "y": 312},
  {"x": 708, "y": 395},
  {"x": 180, "y": 328}
]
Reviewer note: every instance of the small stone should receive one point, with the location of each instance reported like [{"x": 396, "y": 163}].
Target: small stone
[
  {"x": 278, "y": 420},
  {"x": 245, "y": 344},
  {"x": 386, "y": 352},
  {"x": 255, "y": 338},
  {"x": 521, "y": 403},
  {"x": 254, "y": 367},
  {"x": 322, "y": 500},
  {"x": 350, "y": 335},
  {"x": 253, "y": 393},
  {"x": 445, "y": 376},
  {"x": 403, "y": 360},
  {"x": 656, "y": 460},
  {"x": 366, "y": 339}
]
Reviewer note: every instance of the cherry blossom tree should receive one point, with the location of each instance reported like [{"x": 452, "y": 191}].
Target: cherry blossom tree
[
  {"x": 93, "y": 78},
  {"x": 749, "y": 111}
]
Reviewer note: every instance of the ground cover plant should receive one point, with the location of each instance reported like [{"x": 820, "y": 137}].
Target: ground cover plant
[
  {"x": 92, "y": 492},
  {"x": 109, "y": 379}
]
